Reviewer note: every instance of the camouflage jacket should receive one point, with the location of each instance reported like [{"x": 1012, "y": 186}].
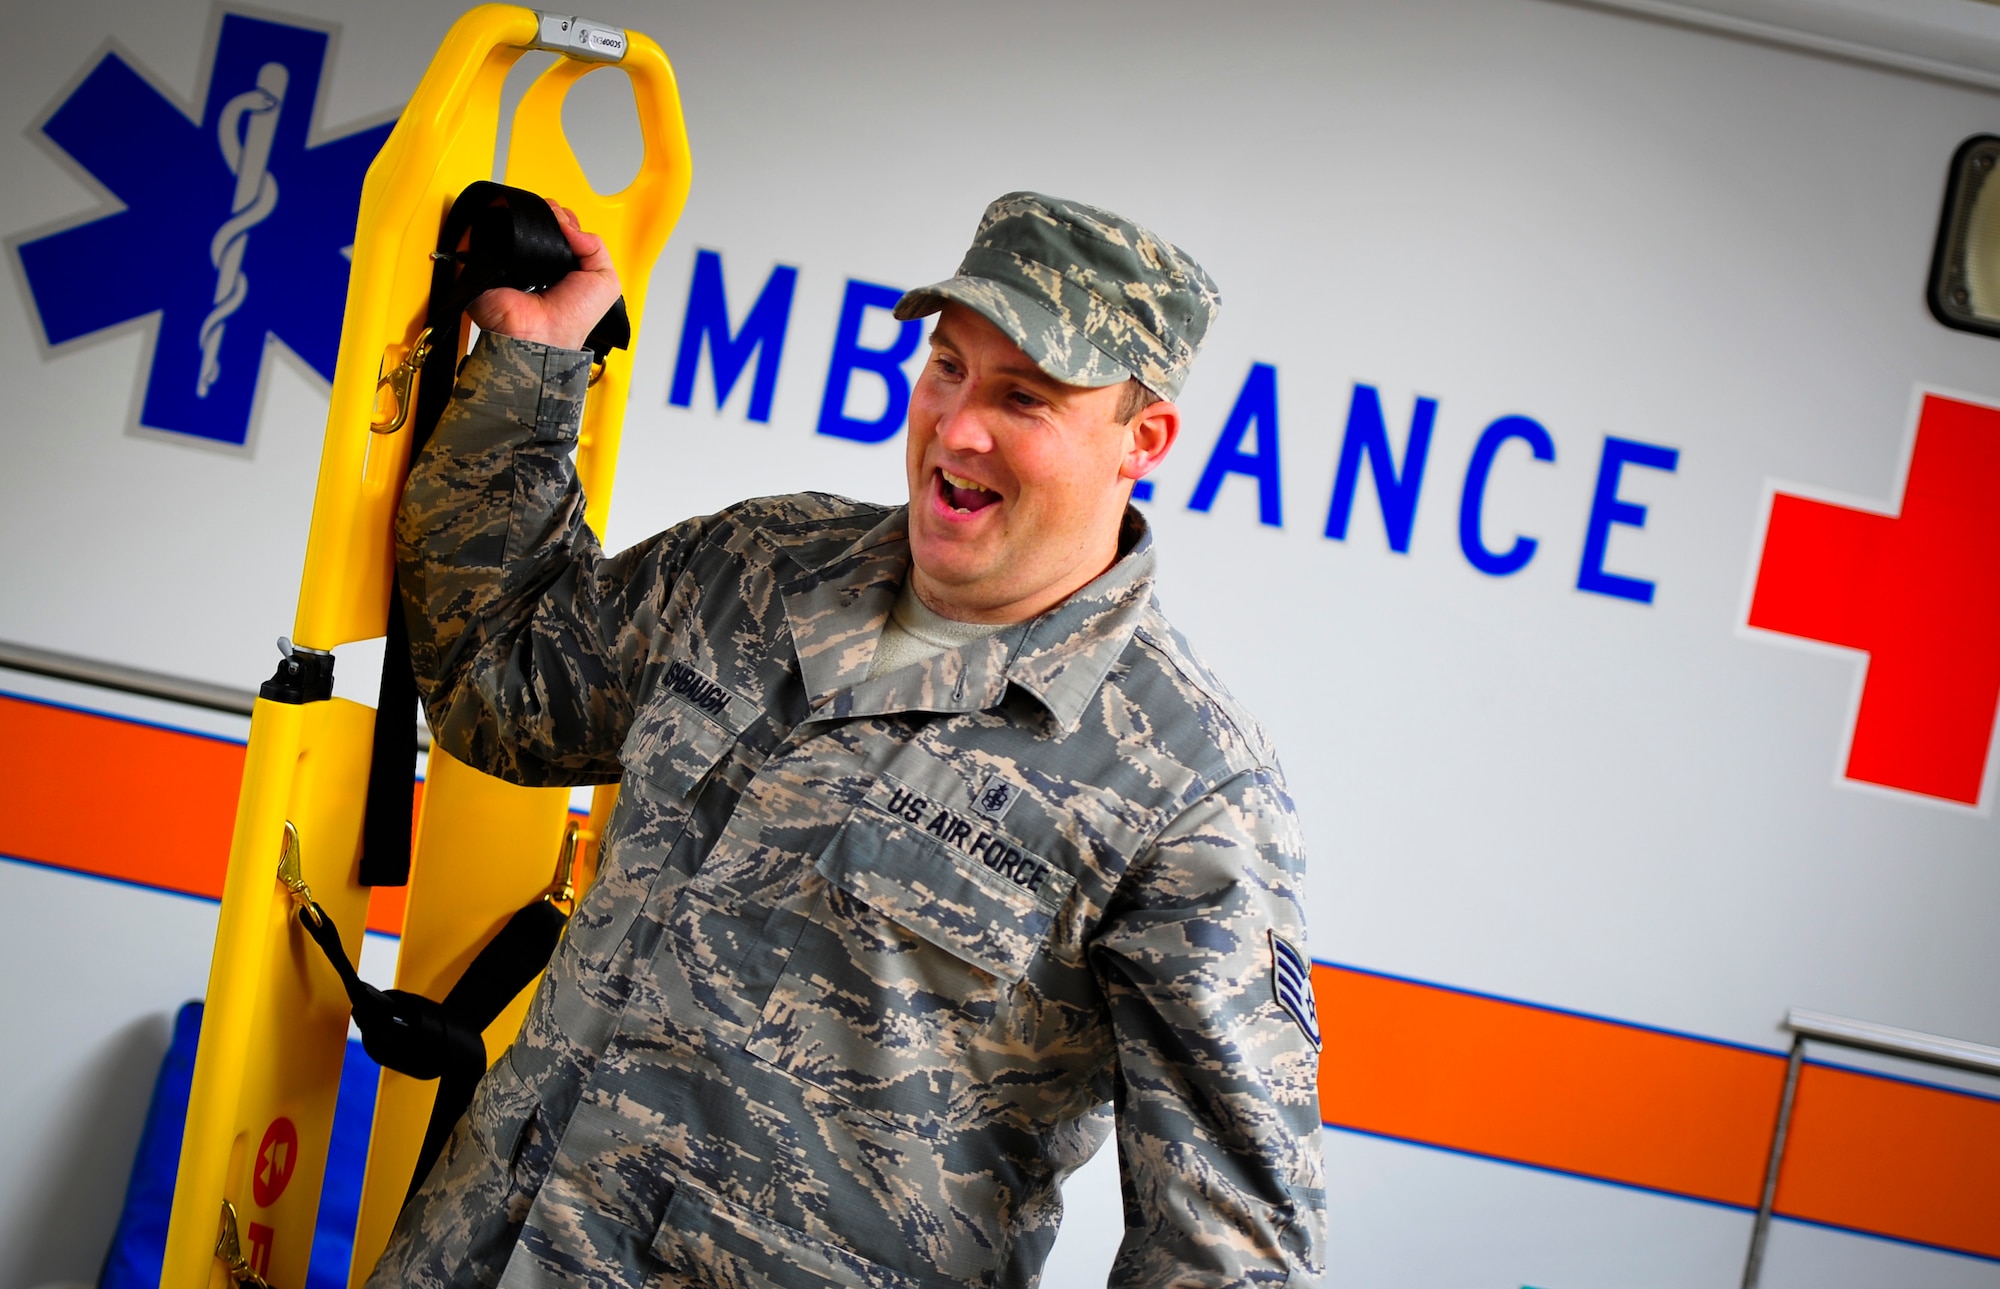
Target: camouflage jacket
[{"x": 869, "y": 963}]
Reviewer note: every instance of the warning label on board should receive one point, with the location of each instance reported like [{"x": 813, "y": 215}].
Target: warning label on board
[{"x": 277, "y": 1156}]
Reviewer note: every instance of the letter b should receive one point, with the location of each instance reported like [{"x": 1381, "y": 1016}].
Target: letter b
[{"x": 849, "y": 354}]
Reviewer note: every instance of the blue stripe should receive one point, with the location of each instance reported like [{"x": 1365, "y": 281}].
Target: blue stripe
[
  {"x": 1654, "y": 1190},
  {"x": 89, "y": 876},
  {"x": 1651, "y": 1029},
  {"x": 1558, "y": 1011},
  {"x": 129, "y": 720}
]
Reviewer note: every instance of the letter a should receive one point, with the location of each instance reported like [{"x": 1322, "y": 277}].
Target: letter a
[{"x": 1257, "y": 405}]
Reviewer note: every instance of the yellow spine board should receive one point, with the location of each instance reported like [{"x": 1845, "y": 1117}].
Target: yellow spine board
[{"x": 274, "y": 1033}]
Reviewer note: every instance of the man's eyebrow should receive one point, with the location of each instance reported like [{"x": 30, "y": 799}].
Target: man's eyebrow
[{"x": 1024, "y": 370}]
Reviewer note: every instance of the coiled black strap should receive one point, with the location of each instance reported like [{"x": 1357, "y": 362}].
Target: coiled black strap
[
  {"x": 413, "y": 1035},
  {"x": 494, "y": 236}
]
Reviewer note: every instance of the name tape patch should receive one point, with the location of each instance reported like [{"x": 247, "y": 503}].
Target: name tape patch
[
  {"x": 964, "y": 835},
  {"x": 1291, "y": 982},
  {"x": 703, "y": 693}
]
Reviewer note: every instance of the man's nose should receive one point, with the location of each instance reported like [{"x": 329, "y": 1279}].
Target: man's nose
[{"x": 963, "y": 426}]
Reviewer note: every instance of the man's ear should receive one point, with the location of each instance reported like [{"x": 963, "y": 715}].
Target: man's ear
[{"x": 1149, "y": 436}]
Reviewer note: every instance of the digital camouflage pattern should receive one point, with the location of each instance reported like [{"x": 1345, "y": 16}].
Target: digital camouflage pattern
[
  {"x": 869, "y": 963},
  {"x": 1091, "y": 297}
]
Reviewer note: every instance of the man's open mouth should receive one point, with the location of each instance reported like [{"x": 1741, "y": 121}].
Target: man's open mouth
[{"x": 962, "y": 494}]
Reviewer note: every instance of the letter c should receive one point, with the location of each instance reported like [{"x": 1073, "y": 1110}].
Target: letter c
[{"x": 1473, "y": 500}]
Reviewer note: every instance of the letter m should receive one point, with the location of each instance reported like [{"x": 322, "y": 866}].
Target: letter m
[{"x": 762, "y": 333}]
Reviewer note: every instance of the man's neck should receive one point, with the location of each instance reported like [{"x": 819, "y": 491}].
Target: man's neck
[{"x": 949, "y": 603}]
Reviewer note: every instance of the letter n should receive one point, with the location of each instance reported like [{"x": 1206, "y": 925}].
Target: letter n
[
  {"x": 1256, "y": 405},
  {"x": 763, "y": 333},
  {"x": 1395, "y": 488}
]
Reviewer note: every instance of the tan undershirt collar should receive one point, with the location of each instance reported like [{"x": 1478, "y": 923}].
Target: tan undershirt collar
[{"x": 914, "y": 633}]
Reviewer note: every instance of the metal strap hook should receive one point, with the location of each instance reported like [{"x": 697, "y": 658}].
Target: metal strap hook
[
  {"x": 401, "y": 382},
  {"x": 229, "y": 1252}
]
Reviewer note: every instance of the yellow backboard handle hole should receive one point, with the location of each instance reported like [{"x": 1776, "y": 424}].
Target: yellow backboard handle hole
[{"x": 601, "y": 118}]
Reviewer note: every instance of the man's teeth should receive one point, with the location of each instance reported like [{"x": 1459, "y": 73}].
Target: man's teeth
[{"x": 959, "y": 489}]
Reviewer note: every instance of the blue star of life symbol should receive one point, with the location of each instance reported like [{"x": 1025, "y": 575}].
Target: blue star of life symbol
[{"x": 234, "y": 228}]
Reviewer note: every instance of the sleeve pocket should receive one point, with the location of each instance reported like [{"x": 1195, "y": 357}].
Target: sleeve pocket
[{"x": 501, "y": 1111}]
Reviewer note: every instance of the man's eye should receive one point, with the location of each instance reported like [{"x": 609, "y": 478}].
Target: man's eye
[{"x": 1025, "y": 401}]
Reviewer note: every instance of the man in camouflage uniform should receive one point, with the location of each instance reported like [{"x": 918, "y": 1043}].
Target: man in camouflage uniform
[{"x": 880, "y": 950}]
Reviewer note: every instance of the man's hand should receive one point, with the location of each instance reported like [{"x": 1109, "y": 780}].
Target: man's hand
[{"x": 563, "y": 315}]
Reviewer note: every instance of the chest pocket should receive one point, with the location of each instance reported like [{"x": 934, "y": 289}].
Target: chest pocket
[
  {"x": 668, "y": 754},
  {"x": 683, "y": 731},
  {"x": 909, "y": 956}
]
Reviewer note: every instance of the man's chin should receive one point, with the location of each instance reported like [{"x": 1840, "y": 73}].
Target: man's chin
[
  {"x": 949, "y": 573},
  {"x": 940, "y": 574},
  {"x": 954, "y": 550}
]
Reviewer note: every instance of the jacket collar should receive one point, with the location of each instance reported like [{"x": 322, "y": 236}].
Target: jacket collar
[{"x": 838, "y": 600}]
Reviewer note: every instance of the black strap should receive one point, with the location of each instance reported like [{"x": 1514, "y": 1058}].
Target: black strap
[
  {"x": 510, "y": 238},
  {"x": 412, "y": 1035}
]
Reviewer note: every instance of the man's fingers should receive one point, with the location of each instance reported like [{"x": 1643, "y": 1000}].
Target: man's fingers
[
  {"x": 583, "y": 296},
  {"x": 591, "y": 256},
  {"x": 564, "y": 314},
  {"x": 498, "y": 309},
  {"x": 588, "y": 248}
]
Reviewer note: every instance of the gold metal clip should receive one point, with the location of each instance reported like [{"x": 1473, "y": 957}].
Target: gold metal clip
[
  {"x": 563, "y": 893},
  {"x": 291, "y": 874},
  {"x": 401, "y": 382},
  {"x": 229, "y": 1252}
]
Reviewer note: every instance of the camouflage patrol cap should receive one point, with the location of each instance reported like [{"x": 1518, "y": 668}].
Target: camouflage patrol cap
[{"x": 1092, "y": 298}]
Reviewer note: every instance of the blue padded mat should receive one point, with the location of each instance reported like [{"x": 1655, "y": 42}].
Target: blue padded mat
[{"x": 139, "y": 1245}]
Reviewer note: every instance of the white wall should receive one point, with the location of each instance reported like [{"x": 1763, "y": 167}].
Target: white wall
[{"x": 1611, "y": 224}]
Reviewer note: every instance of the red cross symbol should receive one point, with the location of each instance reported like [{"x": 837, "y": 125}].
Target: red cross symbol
[{"x": 1918, "y": 591}]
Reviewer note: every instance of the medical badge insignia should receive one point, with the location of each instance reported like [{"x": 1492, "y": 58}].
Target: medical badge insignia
[
  {"x": 993, "y": 799},
  {"x": 232, "y": 228}
]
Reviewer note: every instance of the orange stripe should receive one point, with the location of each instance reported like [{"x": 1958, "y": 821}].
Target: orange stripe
[
  {"x": 1547, "y": 1088},
  {"x": 386, "y": 903},
  {"x": 1882, "y": 1155},
  {"x": 166, "y": 826},
  {"x": 111, "y": 797},
  {"x": 1419, "y": 1062},
  {"x": 1622, "y": 1103}
]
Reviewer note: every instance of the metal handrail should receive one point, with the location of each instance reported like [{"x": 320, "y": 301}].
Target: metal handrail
[
  {"x": 1863, "y": 1035},
  {"x": 129, "y": 680},
  {"x": 1887, "y": 1039},
  {"x": 138, "y": 680}
]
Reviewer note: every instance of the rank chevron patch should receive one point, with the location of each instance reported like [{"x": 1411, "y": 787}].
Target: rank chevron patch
[{"x": 1291, "y": 981}]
